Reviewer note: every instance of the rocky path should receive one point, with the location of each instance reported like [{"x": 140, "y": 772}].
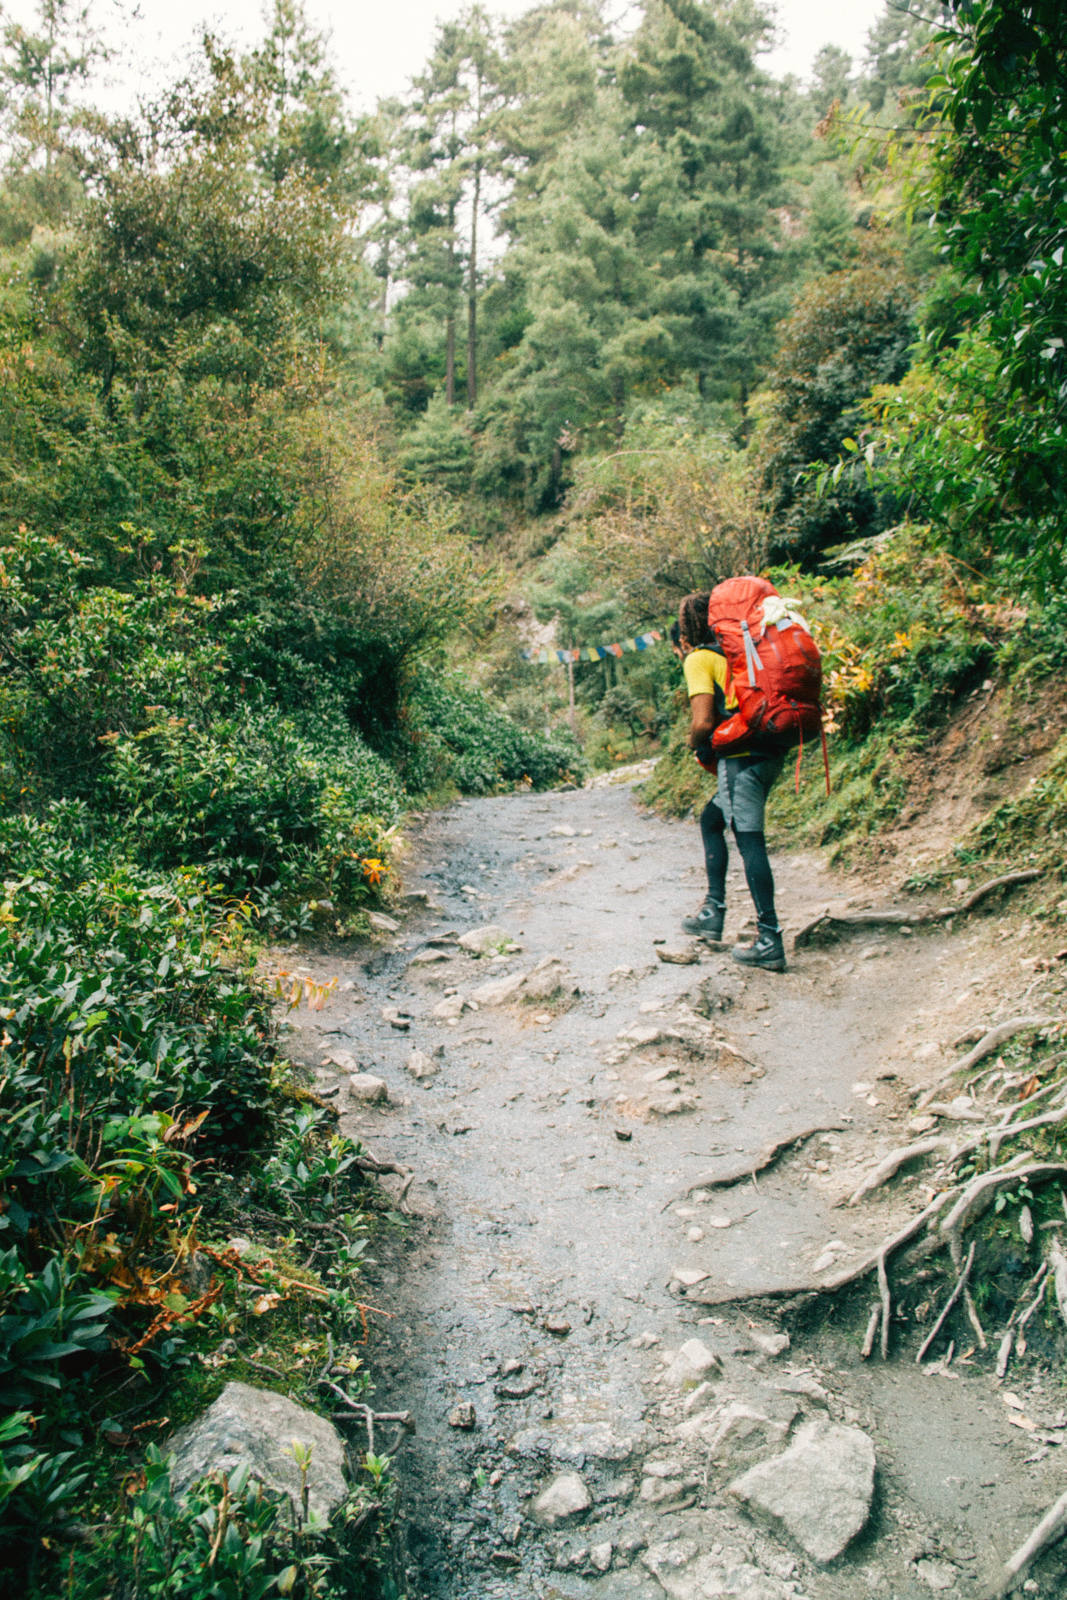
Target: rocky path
[{"x": 602, "y": 1409}]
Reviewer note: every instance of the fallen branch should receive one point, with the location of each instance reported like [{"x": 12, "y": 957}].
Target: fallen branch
[
  {"x": 1049, "y": 1529},
  {"x": 368, "y": 1163},
  {"x": 961, "y": 1284},
  {"x": 750, "y": 1165},
  {"x": 986, "y": 1045},
  {"x": 891, "y": 1164}
]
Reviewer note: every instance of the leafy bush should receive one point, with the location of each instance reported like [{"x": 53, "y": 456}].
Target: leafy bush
[
  {"x": 257, "y": 800},
  {"x": 461, "y": 737}
]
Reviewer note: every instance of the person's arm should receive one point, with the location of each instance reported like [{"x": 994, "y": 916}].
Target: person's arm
[{"x": 702, "y": 726}]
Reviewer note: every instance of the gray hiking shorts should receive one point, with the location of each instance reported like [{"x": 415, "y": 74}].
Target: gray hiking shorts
[{"x": 744, "y": 784}]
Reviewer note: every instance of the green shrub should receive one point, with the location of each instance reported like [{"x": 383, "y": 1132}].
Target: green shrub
[
  {"x": 461, "y": 737},
  {"x": 257, "y": 801}
]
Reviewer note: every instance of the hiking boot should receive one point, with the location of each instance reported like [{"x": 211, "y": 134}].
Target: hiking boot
[
  {"x": 767, "y": 951},
  {"x": 708, "y": 921}
]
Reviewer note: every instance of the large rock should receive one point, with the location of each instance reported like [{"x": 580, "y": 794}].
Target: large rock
[
  {"x": 685, "y": 1574},
  {"x": 565, "y": 1497},
  {"x": 366, "y": 1087},
  {"x": 255, "y": 1428},
  {"x": 548, "y": 978},
  {"x": 500, "y": 991},
  {"x": 692, "y": 1362},
  {"x": 485, "y": 940},
  {"x": 819, "y": 1490}
]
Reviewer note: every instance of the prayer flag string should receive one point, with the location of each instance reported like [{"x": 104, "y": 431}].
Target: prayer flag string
[{"x": 594, "y": 652}]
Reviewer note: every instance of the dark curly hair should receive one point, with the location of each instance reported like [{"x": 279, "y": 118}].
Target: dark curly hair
[{"x": 693, "y": 621}]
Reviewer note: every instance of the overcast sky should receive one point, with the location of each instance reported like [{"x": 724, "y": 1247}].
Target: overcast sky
[{"x": 380, "y": 46}]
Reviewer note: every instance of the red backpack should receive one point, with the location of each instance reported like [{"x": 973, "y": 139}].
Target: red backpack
[{"x": 776, "y": 671}]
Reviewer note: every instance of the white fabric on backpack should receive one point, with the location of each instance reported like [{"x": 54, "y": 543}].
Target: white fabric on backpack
[{"x": 779, "y": 612}]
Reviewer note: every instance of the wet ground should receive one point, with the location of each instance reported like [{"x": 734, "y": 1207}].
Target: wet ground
[{"x": 559, "y": 1256}]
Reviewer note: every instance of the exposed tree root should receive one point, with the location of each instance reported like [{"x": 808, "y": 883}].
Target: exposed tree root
[
  {"x": 986, "y": 1045},
  {"x": 961, "y": 1284},
  {"x": 981, "y": 1192},
  {"x": 894, "y": 918},
  {"x": 891, "y": 1164},
  {"x": 1048, "y": 1531},
  {"x": 748, "y": 1166}
]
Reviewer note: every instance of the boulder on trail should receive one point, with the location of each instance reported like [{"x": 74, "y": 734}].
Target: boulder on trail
[
  {"x": 565, "y": 1497},
  {"x": 486, "y": 940},
  {"x": 818, "y": 1491},
  {"x": 255, "y": 1428}
]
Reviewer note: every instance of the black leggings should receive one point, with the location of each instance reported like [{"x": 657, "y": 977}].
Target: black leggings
[{"x": 753, "y": 849}]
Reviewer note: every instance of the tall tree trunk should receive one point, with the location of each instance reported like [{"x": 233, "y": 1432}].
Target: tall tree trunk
[
  {"x": 472, "y": 295},
  {"x": 450, "y": 360}
]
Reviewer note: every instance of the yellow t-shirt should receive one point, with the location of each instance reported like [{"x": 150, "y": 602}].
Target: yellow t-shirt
[{"x": 706, "y": 672}]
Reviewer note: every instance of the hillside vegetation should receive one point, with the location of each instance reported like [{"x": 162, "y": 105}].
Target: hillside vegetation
[{"x": 309, "y": 423}]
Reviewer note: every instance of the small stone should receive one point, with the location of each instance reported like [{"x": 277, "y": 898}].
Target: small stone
[
  {"x": 420, "y": 1065},
  {"x": 922, "y": 1124},
  {"x": 625, "y": 1134},
  {"x": 510, "y": 1367},
  {"x": 562, "y": 832},
  {"x": 600, "y": 1556},
  {"x": 426, "y": 958},
  {"x": 644, "y": 1341},
  {"x": 558, "y": 1325},
  {"x": 565, "y": 1497},
  {"x": 381, "y": 923},
  {"x": 396, "y": 1019},
  {"x": 450, "y": 1009},
  {"x": 719, "y": 1219},
  {"x": 769, "y": 1344},
  {"x": 365, "y": 1086},
  {"x": 343, "y": 1059},
  {"x": 819, "y": 1490},
  {"x": 681, "y": 956},
  {"x": 937, "y": 1574},
  {"x": 689, "y": 1277},
  {"x": 463, "y": 1416},
  {"x": 694, "y": 1235}
]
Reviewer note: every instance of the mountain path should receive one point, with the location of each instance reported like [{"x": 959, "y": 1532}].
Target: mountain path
[{"x": 554, "y": 1264}]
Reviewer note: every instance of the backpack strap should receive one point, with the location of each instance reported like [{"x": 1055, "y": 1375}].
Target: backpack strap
[{"x": 752, "y": 660}]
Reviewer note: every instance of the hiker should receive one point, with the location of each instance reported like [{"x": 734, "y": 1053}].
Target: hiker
[{"x": 745, "y": 780}]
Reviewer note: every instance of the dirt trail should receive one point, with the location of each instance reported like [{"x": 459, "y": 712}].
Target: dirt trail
[{"x": 537, "y": 1284}]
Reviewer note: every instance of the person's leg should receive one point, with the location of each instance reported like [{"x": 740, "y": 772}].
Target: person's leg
[
  {"x": 751, "y": 785},
  {"x": 758, "y": 874},
  {"x": 708, "y": 921}
]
